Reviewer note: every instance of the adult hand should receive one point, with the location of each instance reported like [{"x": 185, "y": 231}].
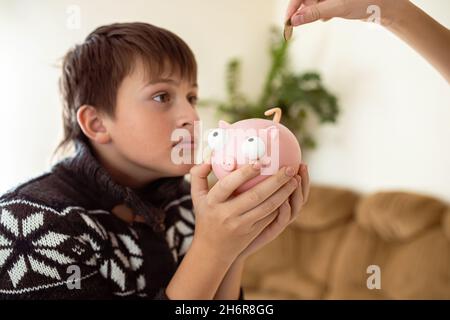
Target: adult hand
[{"x": 307, "y": 11}]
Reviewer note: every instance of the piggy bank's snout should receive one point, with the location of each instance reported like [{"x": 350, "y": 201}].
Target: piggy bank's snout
[{"x": 228, "y": 163}]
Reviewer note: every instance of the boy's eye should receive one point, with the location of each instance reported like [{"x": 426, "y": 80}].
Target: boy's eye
[
  {"x": 193, "y": 100},
  {"x": 162, "y": 98}
]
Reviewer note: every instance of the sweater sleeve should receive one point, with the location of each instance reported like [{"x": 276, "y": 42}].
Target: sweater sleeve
[
  {"x": 181, "y": 232},
  {"x": 181, "y": 227}
]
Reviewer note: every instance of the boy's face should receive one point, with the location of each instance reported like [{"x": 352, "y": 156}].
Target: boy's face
[{"x": 146, "y": 115}]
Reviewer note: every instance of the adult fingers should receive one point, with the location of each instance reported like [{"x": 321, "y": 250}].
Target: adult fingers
[
  {"x": 322, "y": 10},
  {"x": 293, "y": 6}
]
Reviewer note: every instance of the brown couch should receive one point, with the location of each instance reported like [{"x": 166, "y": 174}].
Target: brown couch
[{"x": 326, "y": 253}]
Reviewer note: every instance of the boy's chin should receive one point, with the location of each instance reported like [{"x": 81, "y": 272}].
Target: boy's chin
[{"x": 179, "y": 170}]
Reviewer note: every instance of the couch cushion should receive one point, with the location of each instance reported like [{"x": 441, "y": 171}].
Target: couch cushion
[
  {"x": 419, "y": 268},
  {"x": 446, "y": 224},
  {"x": 316, "y": 252},
  {"x": 355, "y": 293},
  {"x": 413, "y": 269},
  {"x": 276, "y": 255},
  {"x": 250, "y": 294},
  {"x": 397, "y": 216},
  {"x": 327, "y": 206},
  {"x": 290, "y": 283},
  {"x": 357, "y": 251}
]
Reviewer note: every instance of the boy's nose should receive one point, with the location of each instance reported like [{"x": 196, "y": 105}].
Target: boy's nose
[{"x": 187, "y": 117}]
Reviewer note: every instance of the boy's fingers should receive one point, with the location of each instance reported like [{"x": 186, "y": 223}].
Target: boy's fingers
[
  {"x": 274, "y": 224},
  {"x": 282, "y": 220},
  {"x": 259, "y": 193},
  {"x": 296, "y": 199},
  {"x": 305, "y": 182},
  {"x": 223, "y": 189},
  {"x": 310, "y": 2},
  {"x": 199, "y": 179},
  {"x": 270, "y": 204},
  {"x": 284, "y": 216},
  {"x": 261, "y": 224}
]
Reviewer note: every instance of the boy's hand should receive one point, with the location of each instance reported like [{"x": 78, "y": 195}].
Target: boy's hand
[
  {"x": 227, "y": 224},
  {"x": 287, "y": 213}
]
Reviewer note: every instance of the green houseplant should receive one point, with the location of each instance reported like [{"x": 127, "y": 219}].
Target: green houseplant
[{"x": 299, "y": 95}]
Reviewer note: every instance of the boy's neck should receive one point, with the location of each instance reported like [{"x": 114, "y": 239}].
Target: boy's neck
[{"x": 121, "y": 170}]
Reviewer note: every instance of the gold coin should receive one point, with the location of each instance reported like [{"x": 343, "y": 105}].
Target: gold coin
[{"x": 288, "y": 29}]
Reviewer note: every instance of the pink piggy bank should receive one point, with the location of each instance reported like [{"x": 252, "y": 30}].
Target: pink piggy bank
[{"x": 246, "y": 141}]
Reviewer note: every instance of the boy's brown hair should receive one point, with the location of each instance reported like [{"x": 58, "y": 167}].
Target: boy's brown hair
[{"x": 92, "y": 71}]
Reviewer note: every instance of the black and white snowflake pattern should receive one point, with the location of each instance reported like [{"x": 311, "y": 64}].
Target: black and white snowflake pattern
[
  {"x": 115, "y": 255},
  {"x": 29, "y": 250},
  {"x": 179, "y": 236},
  {"x": 39, "y": 243}
]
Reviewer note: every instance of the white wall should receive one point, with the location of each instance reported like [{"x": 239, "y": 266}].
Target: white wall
[
  {"x": 35, "y": 35},
  {"x": 394, "y": 130}
]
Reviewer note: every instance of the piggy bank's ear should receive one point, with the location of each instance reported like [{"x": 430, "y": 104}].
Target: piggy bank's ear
[
  {"x": 272, "y": 131},
  {"x": 223, "y": 124}
]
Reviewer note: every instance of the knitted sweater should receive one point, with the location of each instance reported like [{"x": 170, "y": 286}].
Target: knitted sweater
[{"x": 59, "y": 239}]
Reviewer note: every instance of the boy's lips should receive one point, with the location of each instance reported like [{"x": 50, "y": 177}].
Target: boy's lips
[{"x": 184, "y": 141}]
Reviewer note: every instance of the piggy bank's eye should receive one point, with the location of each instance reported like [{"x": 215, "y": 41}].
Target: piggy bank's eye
[
  {"x": 253, "y": 148},
  {"x": 217, "y": 139}
]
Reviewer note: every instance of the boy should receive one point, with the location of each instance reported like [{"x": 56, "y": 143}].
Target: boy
[{"x": 116, "y": 219}]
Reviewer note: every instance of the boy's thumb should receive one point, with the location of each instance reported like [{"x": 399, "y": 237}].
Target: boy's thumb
[{"x": 199, "y": 179}]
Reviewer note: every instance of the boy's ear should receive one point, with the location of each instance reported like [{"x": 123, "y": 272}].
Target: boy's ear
[{"x": 92, "y": 125}]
